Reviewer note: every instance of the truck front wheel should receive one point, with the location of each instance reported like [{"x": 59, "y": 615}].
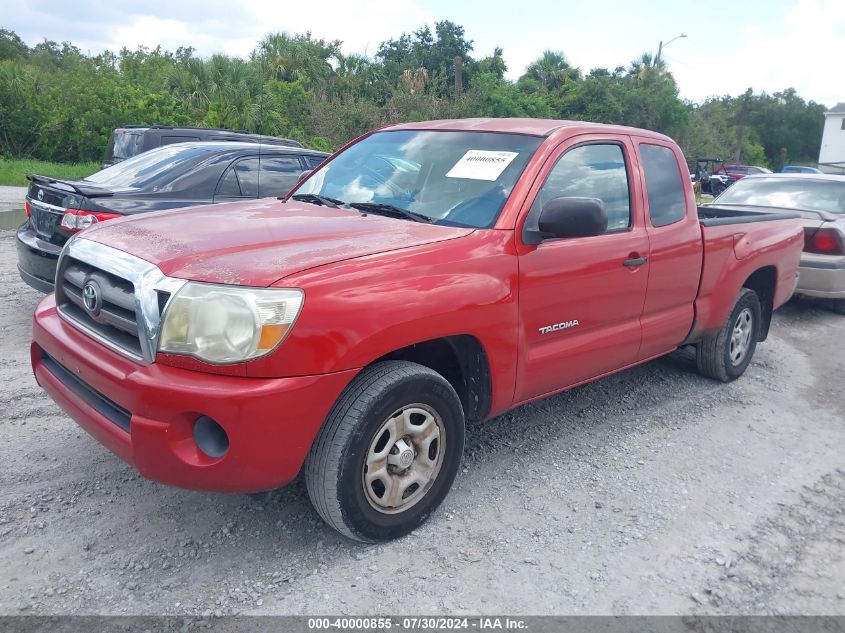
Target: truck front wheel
[
  {"x": 724, "y": 355},
  {"x": 388, "y": 452}
]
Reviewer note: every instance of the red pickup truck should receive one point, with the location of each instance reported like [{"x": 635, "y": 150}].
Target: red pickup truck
[{"x": 427, "y": 275}]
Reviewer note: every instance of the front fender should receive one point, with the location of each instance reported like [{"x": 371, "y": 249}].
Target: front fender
[{"x": 359, "y": 310}]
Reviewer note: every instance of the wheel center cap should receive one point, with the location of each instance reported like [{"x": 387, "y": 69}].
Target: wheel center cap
[{"x": 405, "y": 458}]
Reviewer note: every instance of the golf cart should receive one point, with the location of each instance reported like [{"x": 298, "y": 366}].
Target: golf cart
[{"x": 705, "y": 180}]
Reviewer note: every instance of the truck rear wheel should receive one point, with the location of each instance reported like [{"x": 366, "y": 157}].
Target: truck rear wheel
[
  {"x": 724, "y": 355},
  {"x": 388, "y": 452}
]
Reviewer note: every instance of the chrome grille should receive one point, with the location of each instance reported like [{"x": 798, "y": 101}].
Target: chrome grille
[
  {"x": 114, "y": 297},
  {"x": 114, "y": 318}
]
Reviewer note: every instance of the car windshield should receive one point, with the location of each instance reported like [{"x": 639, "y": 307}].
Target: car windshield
[
  {"x": 454, "y": 178},
  {"x": 138, "y": 172},
  {"x": 788, "y": 193}
]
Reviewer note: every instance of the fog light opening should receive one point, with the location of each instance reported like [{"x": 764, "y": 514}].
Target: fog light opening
[{"x": 210, "y": 437}]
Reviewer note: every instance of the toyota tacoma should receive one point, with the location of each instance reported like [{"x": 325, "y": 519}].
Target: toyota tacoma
[{"x": 426, "y": 276}]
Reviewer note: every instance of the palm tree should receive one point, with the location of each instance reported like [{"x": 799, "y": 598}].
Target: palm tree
[
  {"x": 552, "y": 70},
  {"x": 353, "y": 65},
  {"x": 223, "y": 91},
  {"x": 190, "y": 81},
  {"x": 645, "y": 67},
  {"x": 288, "y": 58}
]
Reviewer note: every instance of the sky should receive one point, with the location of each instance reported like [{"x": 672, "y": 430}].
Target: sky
[{"x": 767, "y": 45}]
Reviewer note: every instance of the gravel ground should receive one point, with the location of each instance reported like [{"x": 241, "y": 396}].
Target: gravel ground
[{"x": 654, "y": 491}]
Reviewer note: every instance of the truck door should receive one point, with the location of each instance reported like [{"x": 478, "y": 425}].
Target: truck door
[
  {"x": 675, "y": 245},
  {"x": 580, "y": 299}
]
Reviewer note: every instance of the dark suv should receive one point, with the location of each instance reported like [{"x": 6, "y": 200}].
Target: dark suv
[
  {"x": 131, "y": 140},
  {"x": 170, "y": 177}
]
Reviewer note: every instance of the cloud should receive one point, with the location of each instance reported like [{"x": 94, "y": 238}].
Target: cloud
[
  {"x": 97, "y": 26},
  {"x": 801, "y": 51},
  {"x": 213, "y": 26},
  {"x": 361, "y": 26},
  {"x": 765, "y": 45}
]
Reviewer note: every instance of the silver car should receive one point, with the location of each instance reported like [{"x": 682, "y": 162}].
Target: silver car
[{"x": 820, "y": 199}]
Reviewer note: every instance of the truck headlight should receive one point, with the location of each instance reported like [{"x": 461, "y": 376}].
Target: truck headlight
[{"x": 228, "y": 324}]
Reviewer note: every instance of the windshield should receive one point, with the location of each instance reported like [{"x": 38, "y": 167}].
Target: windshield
[
  {"x": 143, "y": 169},
  {"x": 126, "y": 144},
  {"x": 455, "y": 178},
  {"x": 788, "y": 193}
]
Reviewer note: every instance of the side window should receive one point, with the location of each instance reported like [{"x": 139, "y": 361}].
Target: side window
[
  {"x": 592, "y": 171},
  {"x": 228, "y": 185},
  {"x": 279, "y": 174},
  {"x": 167, "y": 140},
  {"x": 247, "y": 170},
  {"x": 314, "y": 161},
  {"x": 666, "y": 199}
]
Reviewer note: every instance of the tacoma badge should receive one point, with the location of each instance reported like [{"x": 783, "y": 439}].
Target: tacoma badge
[{"x": 547, "y": 329}]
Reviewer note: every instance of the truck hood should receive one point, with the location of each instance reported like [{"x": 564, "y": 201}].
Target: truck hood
[{"x": 258, "y": 242}]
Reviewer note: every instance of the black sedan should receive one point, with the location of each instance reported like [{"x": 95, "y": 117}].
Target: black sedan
[{"x": 169, "y": 177}]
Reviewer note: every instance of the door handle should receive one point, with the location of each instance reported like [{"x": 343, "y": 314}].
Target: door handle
[{"x": 636, "y": 261}]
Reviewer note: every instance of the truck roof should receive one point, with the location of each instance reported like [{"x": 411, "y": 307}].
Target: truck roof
[{"x": 535, "y": 127}]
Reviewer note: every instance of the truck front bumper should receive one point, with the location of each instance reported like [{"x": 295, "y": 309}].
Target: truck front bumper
[{"x": 146, "y": 413}]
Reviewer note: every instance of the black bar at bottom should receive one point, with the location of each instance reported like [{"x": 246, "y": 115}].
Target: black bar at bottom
[{"x": 403, "y": 624}]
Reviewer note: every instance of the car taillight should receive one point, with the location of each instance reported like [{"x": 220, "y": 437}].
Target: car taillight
[
  {"x": 26, "y": 208},
  {"x": 78, "y": 219},
  {"x": 824, "y": 242}
]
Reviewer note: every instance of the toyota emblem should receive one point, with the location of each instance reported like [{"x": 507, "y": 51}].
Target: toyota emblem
[
  {"x": 40, "y": 194},
  {"x": 91, "y": 297}
]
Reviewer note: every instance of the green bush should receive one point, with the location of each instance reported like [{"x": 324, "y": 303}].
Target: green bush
[{"x": 59, "y": 104}]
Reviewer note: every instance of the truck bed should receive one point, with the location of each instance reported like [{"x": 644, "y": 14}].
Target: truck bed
[
  {"x": 737, "y": 244},
  {"x": 711, "y": 215}
]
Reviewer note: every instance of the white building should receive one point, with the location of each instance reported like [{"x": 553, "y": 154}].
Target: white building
[{"x": 832, "y": 153}]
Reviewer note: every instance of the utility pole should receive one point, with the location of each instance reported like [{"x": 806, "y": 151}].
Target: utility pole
[
  {"x": 459, "y": 76},
  {"x": 741, "y": 122},
  {"x": 661, "y": 46}
]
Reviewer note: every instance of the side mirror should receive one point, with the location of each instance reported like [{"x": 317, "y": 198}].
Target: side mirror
[{"x": 572, "y": 217}]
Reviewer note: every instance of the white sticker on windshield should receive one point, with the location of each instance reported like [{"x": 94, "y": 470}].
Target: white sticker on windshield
[{"x": 480, "y": 164}]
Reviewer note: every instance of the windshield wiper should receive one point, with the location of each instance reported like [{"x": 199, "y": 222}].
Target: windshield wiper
[
  {"x": 390, "y": 210},
  {"x": 313, "y": 198}
]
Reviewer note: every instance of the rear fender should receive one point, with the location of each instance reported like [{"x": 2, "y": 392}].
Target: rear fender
[{"x": 762, "y": 256}]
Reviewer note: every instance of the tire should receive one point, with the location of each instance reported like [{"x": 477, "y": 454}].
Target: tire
[
  {"x": 717, "y": 354},
  {"x": 390, "y": 409}
]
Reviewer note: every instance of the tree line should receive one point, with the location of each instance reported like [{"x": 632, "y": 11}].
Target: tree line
[{"x": 58, "y": 103}]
